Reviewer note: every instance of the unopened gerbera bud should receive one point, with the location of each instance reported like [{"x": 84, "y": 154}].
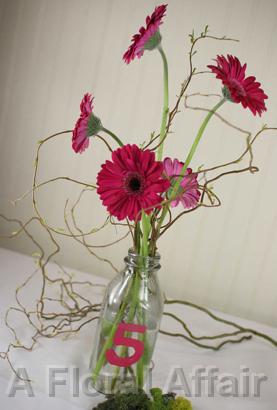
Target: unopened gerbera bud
[{"x": 94, "y": 125}]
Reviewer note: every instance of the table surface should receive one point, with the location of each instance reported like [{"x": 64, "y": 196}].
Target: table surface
[{"x": 173, "y": 357}]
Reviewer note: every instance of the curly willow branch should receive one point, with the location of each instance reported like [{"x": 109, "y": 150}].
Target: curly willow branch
[
  {"x": 75, "y": 310},
  {"x": 61, "y": 308},
  {"x": 88, "y": 187},
  {"x": 244, "y": 332}
]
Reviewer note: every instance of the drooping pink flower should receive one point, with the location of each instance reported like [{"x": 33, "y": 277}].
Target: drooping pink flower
[
  {"x": 145, "y": 35},
  {"x": 80, "y": 140},
  {"x": 132, "y": 181},
  {"x": 189, "y": 194},
  {"x": 237, "y": 87}
]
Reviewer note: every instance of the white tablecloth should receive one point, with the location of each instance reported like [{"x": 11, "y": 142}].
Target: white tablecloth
[{"x": 170, "y": 353}]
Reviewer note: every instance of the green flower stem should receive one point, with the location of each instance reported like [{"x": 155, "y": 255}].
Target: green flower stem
[
  {"x": 165, "y": 106},
  {"x": 135, "y": 308},
  {"x": 137, "y": 236},
  {"x": 191, "y": 153},
  {"x": 141, "y": 362},
  {"x": 133, "y": 291},
  {"x": 194, "y": 146},
  {"x": 146, "y": 227},
  {"x": 109, "y": 342},
  {"x": 119, "y": 142},
  {"x": 122, "y": 353},
  {"x": 134, "y": 304},
  {"x": 130, "y": 318}
]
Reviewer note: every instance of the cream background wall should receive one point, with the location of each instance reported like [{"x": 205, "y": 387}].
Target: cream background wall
[{"x": 52, "y": 52}]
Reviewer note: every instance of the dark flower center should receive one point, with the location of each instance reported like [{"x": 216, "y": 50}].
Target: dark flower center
[
  {"x": 134, "y": 183},
  {"x": 236, "y": 86}
]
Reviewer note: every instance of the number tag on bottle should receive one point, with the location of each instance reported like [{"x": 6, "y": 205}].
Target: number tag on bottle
[{"x": 120, "y": 340}]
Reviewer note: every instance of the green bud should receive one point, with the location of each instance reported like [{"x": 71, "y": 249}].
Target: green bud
[
  {"x": 153, "y": 41},
  {"x": 94, "y": 125},
  {"x": 226, "y": 94}
]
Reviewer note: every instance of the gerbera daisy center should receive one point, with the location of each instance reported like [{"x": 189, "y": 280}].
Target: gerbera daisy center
[
  {"x": 134, "y": 183},
  {"x": 236, "y": 85}
]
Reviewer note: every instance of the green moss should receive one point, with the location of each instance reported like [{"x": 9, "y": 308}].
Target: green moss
[
  {"x": 125, "y": 401},
  {"x": 140, "y": 401},
  {"x": 180, "y": 403}
]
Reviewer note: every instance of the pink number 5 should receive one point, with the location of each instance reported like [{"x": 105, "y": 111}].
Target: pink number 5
[{"x": 120, "y": 340}]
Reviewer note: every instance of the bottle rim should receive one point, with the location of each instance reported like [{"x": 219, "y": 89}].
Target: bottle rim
[{"x": 143, "y": 262}]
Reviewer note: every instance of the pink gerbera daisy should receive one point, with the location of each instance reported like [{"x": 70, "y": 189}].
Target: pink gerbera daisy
[
  {"x": 80, "y": 140},
  {"x": 189, "y": 193},
  {"x": 148, "y": 37},
  {"x": 131, "y": 182},
  {"x": 86, "y": 126},
  {"x": 237, "y": 87}
]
